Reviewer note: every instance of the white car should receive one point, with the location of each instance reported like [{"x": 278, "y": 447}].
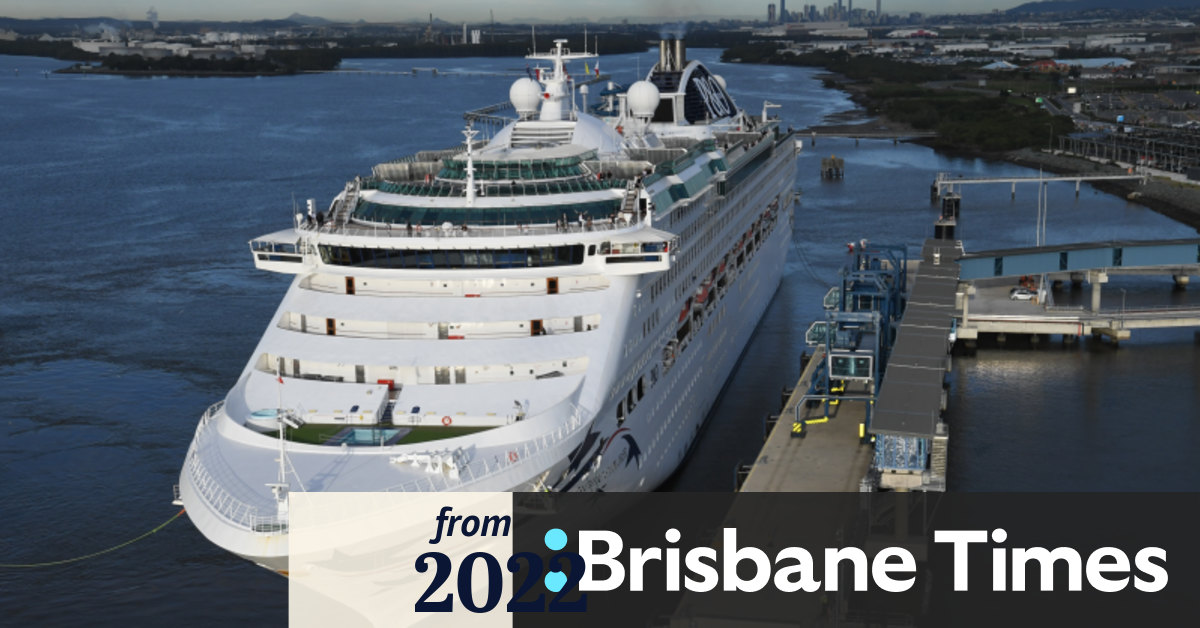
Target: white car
[{"x": 1021, "y": 294}]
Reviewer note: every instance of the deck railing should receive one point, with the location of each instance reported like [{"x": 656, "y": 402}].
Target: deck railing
[
  {"x": 230, "y": 508},
  {"x": 457, "y": 232},
  {"x": 538, "y": 453}
]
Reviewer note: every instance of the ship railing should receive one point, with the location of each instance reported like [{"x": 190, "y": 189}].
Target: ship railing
[
  {"x": 235, "y": 511},
  {"x": 539, "y": 453},
  {"x": 618, "y": 223}
]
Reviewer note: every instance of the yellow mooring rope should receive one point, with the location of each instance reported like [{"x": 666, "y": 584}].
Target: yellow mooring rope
[{"x": 93, "y": 554}]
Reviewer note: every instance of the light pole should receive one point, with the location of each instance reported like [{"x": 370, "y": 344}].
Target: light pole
[{"x": 1122, "y": 308}]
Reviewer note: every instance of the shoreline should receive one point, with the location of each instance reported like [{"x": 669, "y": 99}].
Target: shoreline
[
  {"x": 1177, "y": 201},
  {"x": 167, "y": 73}
]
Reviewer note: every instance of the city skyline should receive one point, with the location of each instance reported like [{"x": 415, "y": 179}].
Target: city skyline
[{"x": 476, "y": 11}]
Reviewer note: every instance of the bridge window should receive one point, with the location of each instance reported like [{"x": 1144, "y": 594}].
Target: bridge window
[
  {"x": 998, "y": 267},
  {"x": 568, "y": 255},
  {"x": 1062, "y": 260},
  {"x": 368, "y": 211},
  {"x": 1118, "y": 253}
]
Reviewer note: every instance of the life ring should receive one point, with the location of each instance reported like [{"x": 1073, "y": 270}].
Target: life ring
[
  {"x": 512, "y": 456},
  {"x": 446, "y": 420}
]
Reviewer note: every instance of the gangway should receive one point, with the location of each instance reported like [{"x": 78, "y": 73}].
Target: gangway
[{"x": 946, "y": 182}]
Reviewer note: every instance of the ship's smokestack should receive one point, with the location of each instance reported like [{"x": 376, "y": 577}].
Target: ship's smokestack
[
  {"x": 680, "y": 54},
  {"x": 664, "y": 55}
]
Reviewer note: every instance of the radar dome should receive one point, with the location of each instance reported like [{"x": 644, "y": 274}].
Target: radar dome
[
  {"x": 720, "y": 80},
  {"x": 525, "y": 95},
  {"x": 643, "y": 99}
]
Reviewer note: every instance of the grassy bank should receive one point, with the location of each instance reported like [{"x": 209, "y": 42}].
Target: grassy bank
[
  {"x": 967, "y": 121},
  {"x": 974, "y": 120}
]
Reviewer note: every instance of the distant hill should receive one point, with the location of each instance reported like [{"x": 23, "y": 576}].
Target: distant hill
[
  {"x": 1072, "y": 6},
  {"x": 307, "y": 20},
  {"x": 57, "y": 24},
  {"x": 62, "y": 26}
]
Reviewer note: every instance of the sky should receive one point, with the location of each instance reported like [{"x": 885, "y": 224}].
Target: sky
[{"x": 452, "y": 10}]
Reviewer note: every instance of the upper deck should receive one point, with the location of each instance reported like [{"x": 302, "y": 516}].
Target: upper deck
[{"x": 554, "y": 187}]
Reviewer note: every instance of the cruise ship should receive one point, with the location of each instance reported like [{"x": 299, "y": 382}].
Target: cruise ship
[{"x": 553, "y": 308}]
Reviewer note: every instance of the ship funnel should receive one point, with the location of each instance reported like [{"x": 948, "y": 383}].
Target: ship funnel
[{"x": 672, "y": 54}]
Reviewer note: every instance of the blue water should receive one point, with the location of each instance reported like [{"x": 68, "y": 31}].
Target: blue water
[{"x": 129, "y": 303}]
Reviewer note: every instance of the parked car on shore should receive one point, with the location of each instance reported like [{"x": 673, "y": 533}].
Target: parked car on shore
[{"x": 1021, "y": 294}]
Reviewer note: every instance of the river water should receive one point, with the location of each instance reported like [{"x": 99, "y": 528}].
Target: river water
[{"x": 129, "y": 304}]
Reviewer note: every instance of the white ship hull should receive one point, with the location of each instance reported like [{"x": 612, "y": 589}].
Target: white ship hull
[{"x": 558, "y": 357}]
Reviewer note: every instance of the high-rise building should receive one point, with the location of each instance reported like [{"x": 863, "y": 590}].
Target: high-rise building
[
  {"x": 878, "y": 11},
  {"x": 771, "y": 13},
  {"x": 783, "y": 17}
]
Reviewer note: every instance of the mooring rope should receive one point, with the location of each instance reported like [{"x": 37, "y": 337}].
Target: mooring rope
[
  {"x": 808, "y": 266},
  {"x": 93, "y": 554}
]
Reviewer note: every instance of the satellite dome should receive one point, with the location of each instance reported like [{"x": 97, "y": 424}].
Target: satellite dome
[
  {"x": 720, "y": 80},
  {"x": 643, "y": 99},
  {"x": 525, "y": 95}
]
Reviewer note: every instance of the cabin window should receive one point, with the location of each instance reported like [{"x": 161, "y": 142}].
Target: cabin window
[
  {"x": 331, "y": 327},
  {"x": 349, "y": 285}
]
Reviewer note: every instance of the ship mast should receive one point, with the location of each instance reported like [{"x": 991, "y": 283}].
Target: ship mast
[
  {"x": 554, "y": 84},
  {"x": 470, "y": 135}
]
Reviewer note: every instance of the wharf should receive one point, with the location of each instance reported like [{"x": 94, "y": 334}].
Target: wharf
[
  {"x": 910, "y": 440},
  {"x": 830, "y": 458}
]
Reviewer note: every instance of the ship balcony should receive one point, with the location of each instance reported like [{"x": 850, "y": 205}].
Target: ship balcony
[
  {"x": 622, "y": 221},
  {"x": 280, "y": 252},
  {"x": 643, "y": 251}
]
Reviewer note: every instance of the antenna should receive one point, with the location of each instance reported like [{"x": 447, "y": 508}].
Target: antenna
[
  {"x": 533, "y": 35},
  {"x": 470, "y": 135},
  {"x": 585, "y": 39}
]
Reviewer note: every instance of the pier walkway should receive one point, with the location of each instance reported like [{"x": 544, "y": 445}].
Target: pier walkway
[
  {"x": 944, "y": 182},
  {"x": 871, "y": 135},
  {"x": 848, "y": 427},
  {"x": 835, "y": 452},
  {"x": 912, "y": 441},
  {"x": 830, "y": 458}
]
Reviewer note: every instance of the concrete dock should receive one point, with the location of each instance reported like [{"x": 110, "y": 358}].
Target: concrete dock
[
  {"x": 829, "y": 458},
  {"x": 836, "y": 452}
]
